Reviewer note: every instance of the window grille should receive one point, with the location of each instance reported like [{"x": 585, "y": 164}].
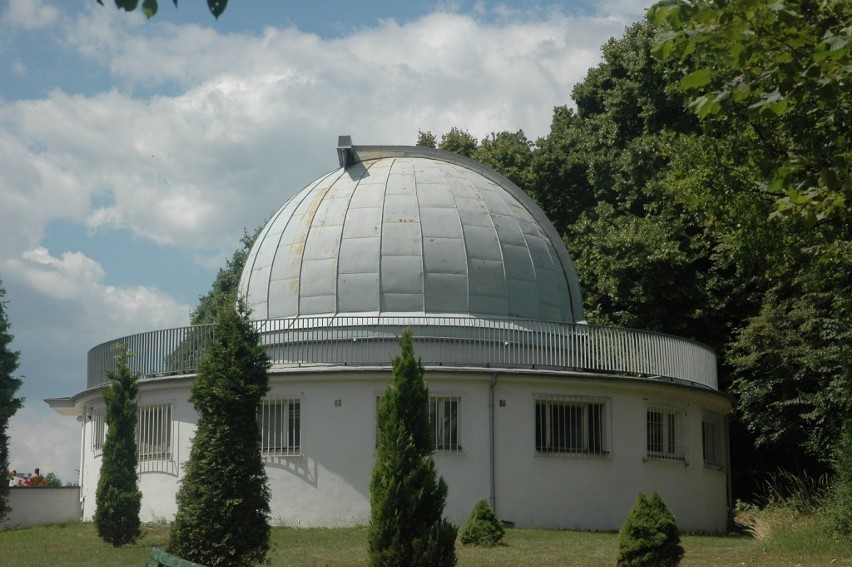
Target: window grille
[
  {"x": 97, "y": 418},
  {"x": 154, "y": 432},
  {"x": 444, "y": 422},
  {"x": 712, "y": 439},
  {"x": 576, "y": 425},
  {"x": 280, "y": 423},
  {"x": 665, "y": 433}
]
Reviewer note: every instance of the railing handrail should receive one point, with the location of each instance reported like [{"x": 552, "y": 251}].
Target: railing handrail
[{"x": 439, "y": 341}]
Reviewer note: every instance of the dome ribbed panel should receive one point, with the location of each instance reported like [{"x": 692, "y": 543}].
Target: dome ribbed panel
[{"x": 406, "y": 235}]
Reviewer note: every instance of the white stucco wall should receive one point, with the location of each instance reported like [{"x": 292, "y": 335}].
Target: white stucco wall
[
  {"x": 42, "y": 506},
  {"x": 328, "y": 484}
]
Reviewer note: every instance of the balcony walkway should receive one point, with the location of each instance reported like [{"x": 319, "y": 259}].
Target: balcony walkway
[{"x": 438, "y": 341}]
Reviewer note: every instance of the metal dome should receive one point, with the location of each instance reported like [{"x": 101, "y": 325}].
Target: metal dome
[{"x": 410, "y": 231}]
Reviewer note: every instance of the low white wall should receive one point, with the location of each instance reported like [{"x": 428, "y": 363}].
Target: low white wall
[{"x": 40, "y": 506}]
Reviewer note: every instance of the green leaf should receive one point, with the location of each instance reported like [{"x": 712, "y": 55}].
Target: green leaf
[
  {"x": 662, "y": 50},
  {"x": 217, "y": 7},
  {"x": 126, "y": 5},
  {"x": 696, "y": 79},
  {"x": 772, "y": 102},
  {"x": 706, "y": 104},
  {"x": 149, "y": 7}
]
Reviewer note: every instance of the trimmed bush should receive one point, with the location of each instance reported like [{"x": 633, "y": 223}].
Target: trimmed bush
[
  {"x": 482, "y": 527},
  {"x": 649, "y": 536}
]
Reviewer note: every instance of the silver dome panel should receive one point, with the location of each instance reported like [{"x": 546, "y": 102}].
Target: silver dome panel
[{"x": 410, "y": 231}]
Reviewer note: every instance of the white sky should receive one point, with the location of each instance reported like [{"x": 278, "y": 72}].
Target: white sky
[{"x": 133, "y": 153}]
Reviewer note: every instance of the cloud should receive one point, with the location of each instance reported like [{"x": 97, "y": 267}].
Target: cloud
[
  {"x": 251, "y": 118},
  {"x": 44, "y": 439},
  {"x": 74, "y": 283},
  {"x": 30, "y": 14}
]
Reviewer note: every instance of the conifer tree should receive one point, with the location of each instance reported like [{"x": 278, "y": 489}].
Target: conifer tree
[
  {"x": 407, "y": 496},
  {"x": 118, "y": 499},
  {"x": 223, "y": 500},
  {"x": 9, "y": 404}
]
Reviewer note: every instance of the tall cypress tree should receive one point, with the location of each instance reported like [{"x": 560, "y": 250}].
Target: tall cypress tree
[
  {"x": 9, "y": 404},
  {"x": 407, "y": 496},
  {"x": 223, "y": 501},
  {"x": 118, "y": 498}
]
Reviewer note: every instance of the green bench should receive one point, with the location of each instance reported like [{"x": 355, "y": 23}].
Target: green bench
[{"x": 166, "y": 559}]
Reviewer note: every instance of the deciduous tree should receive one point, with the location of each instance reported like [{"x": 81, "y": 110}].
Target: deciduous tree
[
  {"x": 785, "y": 59},
  {"x": 150, "y": 7}
]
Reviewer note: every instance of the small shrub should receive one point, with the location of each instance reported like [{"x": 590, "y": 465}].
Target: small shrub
[
  {"x": 482, "y": 527},
  {"x": 649, "y": 536}
]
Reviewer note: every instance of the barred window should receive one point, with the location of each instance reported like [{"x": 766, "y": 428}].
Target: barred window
[
  {"x": 665, "y": 435},
  {"x": 280, "y": 423},
  {"x": 98, "y": 430},
  {"x": 444, "y": 422},
  {"x": 565, "y": 424},
  {"x": 712, "y": 439},
  {"x": 154, "y": 432}
]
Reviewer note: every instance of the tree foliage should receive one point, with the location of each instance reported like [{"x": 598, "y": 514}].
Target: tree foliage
[
  {"x": 9, "y": 404},
  {"x": 458, "y": 141},
  {"x": 840, "y": 503},
  {"x": 118, "y": 499},
  {"x": 407, "y": 496},
  {"x": 673, "y": 219},
  {"x": 150, "y": 7},
  {"x": 482, "y": 527},
  {"x": 426, "y": 139},
  {"x": 784, "y": 59},
  {"x": 649, "y": 536},
  {"x": 223, "y": 291},
  {"x": 223, "y": 500}
]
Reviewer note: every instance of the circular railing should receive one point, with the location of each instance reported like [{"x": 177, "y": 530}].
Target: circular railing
[{"x": 438, "y": 341}]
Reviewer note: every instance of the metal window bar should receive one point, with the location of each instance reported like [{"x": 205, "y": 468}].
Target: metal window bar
[
  {"x": 154, "y": 433},
  {"x": 444, "y": 412},
  {"x": 98, "y": 425},
  {"x": 280, "y": 423},
  {"x": 571, "y": 424},
  {"x": 665, "y": 436}
]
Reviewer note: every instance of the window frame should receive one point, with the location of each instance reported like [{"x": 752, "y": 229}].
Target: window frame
[
  {"x": 283, "y": 439},
  {"x": 154, "y": 432},
  {"x": 446, "y": 430},
  {"x": 665, "y": 433},
  {"x": 713, "y": 440},
  {"x": 97, "y": 417},
  {"x": 568, "y": 425}
]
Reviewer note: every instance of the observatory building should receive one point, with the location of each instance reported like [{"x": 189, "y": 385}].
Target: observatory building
[{"x": 557, "y": 423}]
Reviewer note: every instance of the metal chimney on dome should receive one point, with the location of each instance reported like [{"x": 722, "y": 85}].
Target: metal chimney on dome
[{"x": 345, "y": 153}]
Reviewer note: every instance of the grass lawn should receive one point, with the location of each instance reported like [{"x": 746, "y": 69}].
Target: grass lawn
[{"x": 78, "y": 544}]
